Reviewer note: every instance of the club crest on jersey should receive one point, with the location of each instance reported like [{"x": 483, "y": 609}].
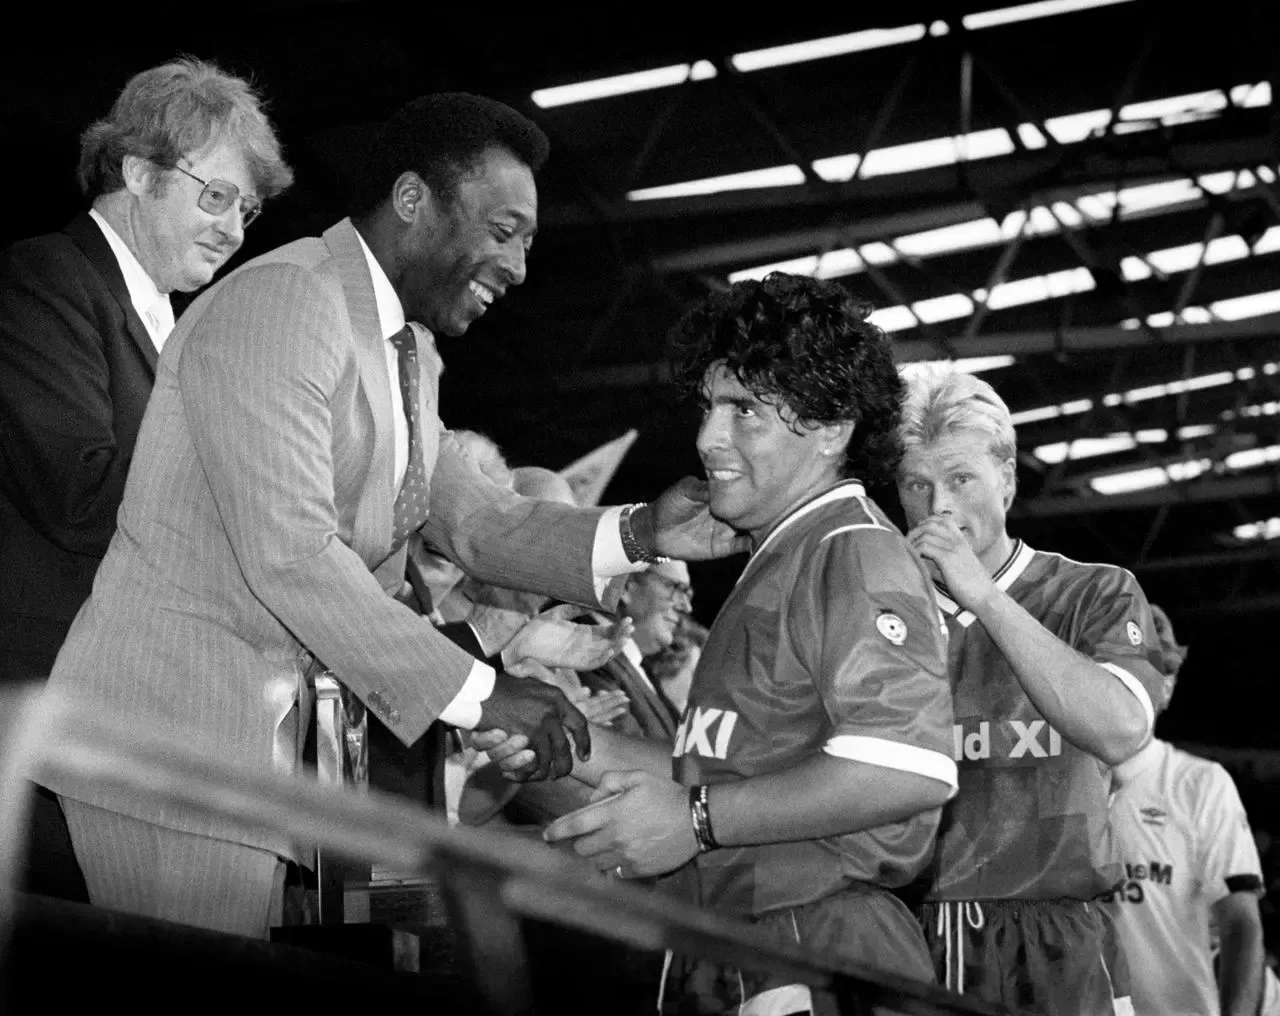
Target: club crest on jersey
[
  {"x": 1134, "y": 632},
  {"x": 892, "y": 627}
]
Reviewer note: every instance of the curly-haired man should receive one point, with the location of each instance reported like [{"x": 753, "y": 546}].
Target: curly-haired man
[{"x": 814, "y": 752}]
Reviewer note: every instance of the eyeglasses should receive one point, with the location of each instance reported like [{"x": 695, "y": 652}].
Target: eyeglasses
[
  {"x": 218, "y": 196},
  {"x": 671, "y": 587}
]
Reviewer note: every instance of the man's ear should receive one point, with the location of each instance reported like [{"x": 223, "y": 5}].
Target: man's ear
[
  {"x": 139, "y": 174},
  {"x": 835, "y": 437},
  {"x": 409, "y": 196},
  {"x": 1009, "y": 481}
]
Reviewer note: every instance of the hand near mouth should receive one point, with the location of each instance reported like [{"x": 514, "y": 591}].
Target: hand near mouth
[{"x": 942, "y": 546}]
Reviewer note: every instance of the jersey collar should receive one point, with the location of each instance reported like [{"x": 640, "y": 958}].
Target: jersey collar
[
  {"x": 841, "y": 491},
  {"x": 1008, "y": 573}
]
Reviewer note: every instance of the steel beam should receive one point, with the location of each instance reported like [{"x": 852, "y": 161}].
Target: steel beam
[
  {"x": 1268, "y": 551},
  {"x": 1198, "y": 491},
  {"x": 1192, "y": 149},
  {"x": 639, "y": 375},
  {"x": 1086, "y": 339}
]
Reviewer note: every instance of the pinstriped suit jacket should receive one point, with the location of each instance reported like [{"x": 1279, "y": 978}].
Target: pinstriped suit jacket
[{"x": 256, "y": 527}]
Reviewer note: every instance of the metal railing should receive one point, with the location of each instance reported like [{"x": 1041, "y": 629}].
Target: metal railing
[{"x": 489, "y": 880}]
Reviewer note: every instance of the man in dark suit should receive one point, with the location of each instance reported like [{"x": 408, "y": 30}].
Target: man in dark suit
[
  {"x": 84, "y": 314},
  {"x": 290, "y": 447},
  {"x": 655, "y": 600},
  {"x": 173, "y": 175}
]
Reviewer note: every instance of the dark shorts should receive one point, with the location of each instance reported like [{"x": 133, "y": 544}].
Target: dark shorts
[
  {"x": 1050, "y": 957},
  {"x": 866, "y": 925}
]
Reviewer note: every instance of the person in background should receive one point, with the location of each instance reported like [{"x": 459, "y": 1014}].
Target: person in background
[
  {"x": 656, "y": 600},
  {"x": 1190, "y": 864},
  {"x": 1053, "y": 666},
  {"x": 173, "y": 176},
  {"x": 671, "y": 669}
]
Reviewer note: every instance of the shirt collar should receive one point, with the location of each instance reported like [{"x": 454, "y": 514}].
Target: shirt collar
[
  {"x": 632, "y": 652},
  {"x": 843, "y": 489},
  {"x": 390, "y": 310},
  {"x": 143, "y": 292},
  {"x": 1152, "y": 753},
  {"x": 1015, "y": 564}
]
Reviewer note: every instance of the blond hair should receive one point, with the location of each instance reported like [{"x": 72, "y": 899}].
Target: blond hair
[{"x": 942, "y": 400}]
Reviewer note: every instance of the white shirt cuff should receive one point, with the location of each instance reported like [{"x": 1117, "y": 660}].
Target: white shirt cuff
[
  {"x": 608, "y": 559},
  {"x": 464, "y": 710}
]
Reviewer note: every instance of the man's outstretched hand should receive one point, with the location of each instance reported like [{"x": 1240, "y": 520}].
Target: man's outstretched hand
[
  {"x": 542, "y": 715},
  {"x": 684, "y": 528}
]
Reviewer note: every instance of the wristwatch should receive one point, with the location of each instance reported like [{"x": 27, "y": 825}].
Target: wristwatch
[{"x": 634, "y": 549}]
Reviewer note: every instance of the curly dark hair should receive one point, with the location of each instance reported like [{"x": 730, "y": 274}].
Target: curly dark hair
[
  {"x": 805, "y": 344},
  {"x": 442, "y": 137}
]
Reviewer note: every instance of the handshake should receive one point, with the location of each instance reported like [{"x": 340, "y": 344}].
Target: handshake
[{"x": 530, "y": 727}]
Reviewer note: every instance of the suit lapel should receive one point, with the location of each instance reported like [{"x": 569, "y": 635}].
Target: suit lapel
[
  {"x": 650, "y": 709},
  {"x": 87, "y": 235},
  {"x": 371, "y": 529},
  {"x": 426, "y": 418}
]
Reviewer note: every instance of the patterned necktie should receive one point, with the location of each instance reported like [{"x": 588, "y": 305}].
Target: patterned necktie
[{"x": 411, "y": 503}]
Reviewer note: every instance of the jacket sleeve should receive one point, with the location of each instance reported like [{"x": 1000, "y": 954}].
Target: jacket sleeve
[
  {"x": 259, "y": 373},
  {"x": 60, "y": 464}
]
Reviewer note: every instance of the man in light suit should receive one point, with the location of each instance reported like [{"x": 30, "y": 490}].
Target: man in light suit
[
  {"x": 278, "y": 472},
  {"x": 174, "y": 174}
]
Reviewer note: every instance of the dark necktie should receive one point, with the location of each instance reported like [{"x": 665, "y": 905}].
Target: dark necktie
[{"x": 411, "y": 503}]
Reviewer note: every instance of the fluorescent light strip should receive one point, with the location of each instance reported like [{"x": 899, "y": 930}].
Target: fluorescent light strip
[
  {"x": 773, "y": 176},
  {"x": 1091, "y": 447},
  {"x": 1249, "y": 412},
  {"x": 1189, "y": 469},
  {"x": 1252, "y": 458},
  {"x": 1253, "y": 305},
  {"x": 1143, "y": 394},
  {"x": 1151, "y": 476},
  {"x": 966, "y": 365},
  {"x": 1268, "y": 530},
  {"x": 1030, "y": 12},
  {"x": 797, "y": 52},
  {"x": 1040, "y": 413},
  {"x": 623, "y": 84},
  {"x": 821, "y": 49}
]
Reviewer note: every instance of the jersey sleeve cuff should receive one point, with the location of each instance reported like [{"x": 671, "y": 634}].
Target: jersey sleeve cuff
[
  {"x": 907, "y": 758},
  {"x": 1135, "y": 686}
]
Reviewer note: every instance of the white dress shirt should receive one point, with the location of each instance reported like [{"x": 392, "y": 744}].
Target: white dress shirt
[
  {"x": 608, "y": 559},
  {"x": 632, "y": 652},
  {"x": 152, "y": 306}
]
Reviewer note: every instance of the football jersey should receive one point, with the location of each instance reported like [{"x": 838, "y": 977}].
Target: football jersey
[
  {"x": 1185, "y": 841},
  {"x": 830, "y": 641},
  {"x": 1030, "y": 820}
]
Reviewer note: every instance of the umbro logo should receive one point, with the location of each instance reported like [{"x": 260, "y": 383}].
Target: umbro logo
[{"x": 1153, "y": 816}]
